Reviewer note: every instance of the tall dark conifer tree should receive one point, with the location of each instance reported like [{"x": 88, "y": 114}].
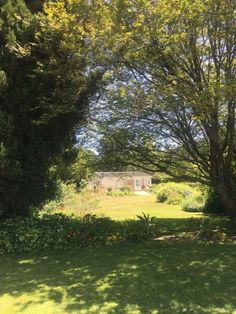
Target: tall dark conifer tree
[{"x": 44, "y": 93}]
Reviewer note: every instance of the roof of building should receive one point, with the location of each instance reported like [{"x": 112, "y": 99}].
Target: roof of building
[{"x": 122, "y": 174}]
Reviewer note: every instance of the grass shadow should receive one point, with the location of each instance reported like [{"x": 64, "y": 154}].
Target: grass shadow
[{"x": 151, "y": 277}]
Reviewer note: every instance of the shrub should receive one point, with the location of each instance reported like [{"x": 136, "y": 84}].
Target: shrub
[
  {"x": 134, "y": 230},
  {"x": 173, "y": 193},
  {"x": 115, "y": 193},
  {"x": 213, "y": 203},
  {"x": 209, "y": 231},
  {"x": 147, "y": 224},
  {"x": 52, "y": 232},
  {"x": 193, "y": 203},
  {"x": 66, "y": 194},
  {"x": 70, "y": 201},
  {"x": 85, "y": 203},
  {"x": 154, "y": 188},
  {"x": 124, "y": 191},
  {"x": 60, "y": 232}
]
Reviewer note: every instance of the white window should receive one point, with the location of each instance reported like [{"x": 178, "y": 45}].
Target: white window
[{"x": 137, "y": 183}]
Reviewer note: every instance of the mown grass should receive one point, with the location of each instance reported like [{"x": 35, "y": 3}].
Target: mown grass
[
  {"x": 151, "y": 277},
  {"x": 130, "y": 206}
]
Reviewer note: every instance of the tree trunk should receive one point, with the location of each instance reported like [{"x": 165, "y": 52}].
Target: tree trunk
[
  {"x": 228, "y": 199},
  {"x": 221, "y": 173}
]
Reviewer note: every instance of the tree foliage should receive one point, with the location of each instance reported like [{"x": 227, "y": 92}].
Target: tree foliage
[
  {"x": 172, "y": 98},
  {"x": 77, "y": 166},
  {"x": 170, "y": 104},
  {"x": 46, "y": 82}
]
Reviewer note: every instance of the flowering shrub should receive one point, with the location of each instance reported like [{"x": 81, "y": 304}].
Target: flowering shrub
[{"x": 58, "y": 231}]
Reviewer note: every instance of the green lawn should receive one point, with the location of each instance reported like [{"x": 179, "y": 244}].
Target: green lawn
[
  {"x": 151, "y": 277},
  {"x": 130, "y": 206}
]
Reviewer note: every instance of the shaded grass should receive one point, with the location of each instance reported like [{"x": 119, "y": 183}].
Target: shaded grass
[
  {"x": 120, "y": 208},
  {"x": 151, "y": 277}
]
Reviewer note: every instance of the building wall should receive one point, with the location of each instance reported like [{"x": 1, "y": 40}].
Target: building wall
[
  {"x": 135, "y": 183},
  {"x": 112, "y": 182},
  {"x": 141, "y": 183}
]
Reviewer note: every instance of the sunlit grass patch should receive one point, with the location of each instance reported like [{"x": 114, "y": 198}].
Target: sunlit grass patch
[{"x": 130, "y": 206}]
